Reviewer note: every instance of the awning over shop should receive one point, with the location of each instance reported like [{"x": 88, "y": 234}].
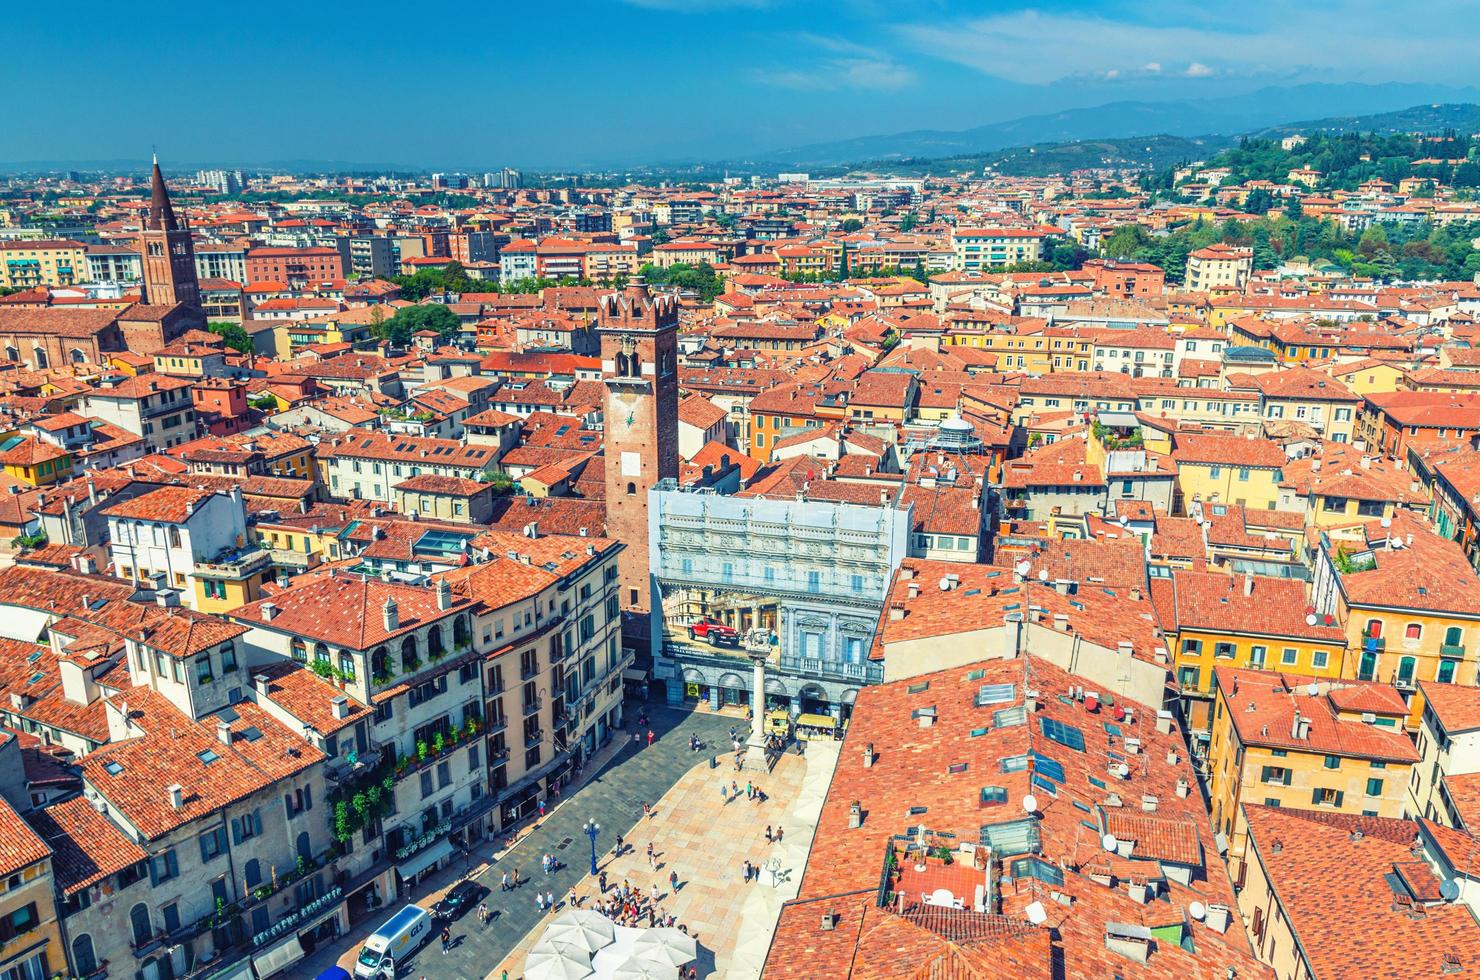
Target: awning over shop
[
  {"x": 421, "y": 860},
  {"x": 634, "y": 674},
  {"x": 240, "y": 970},
  {"x": 278, "y": 958}
]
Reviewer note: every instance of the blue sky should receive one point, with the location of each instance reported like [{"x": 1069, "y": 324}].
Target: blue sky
[{"x": 592, "y": 81}]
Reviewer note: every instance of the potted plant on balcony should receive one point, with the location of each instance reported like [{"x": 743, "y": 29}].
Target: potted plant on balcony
[
  {"x": 438, "y": 743},
  {"x": 421, "y": 750}
]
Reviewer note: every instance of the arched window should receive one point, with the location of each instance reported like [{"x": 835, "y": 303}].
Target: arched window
[
  {"x": 304, "y": 848},
  {"x": 1454, "y": 636},
  {"x": 409, "y": 659},
  {"x": 462, "y": 633},
  {"x": 434, "y": 642},
  {"x": 380, "y": 662},
  {"x": 1374, "y": 628},
  {"x": 12, "y": 353},
  {"x": 78, "y": 357},
  {"x": 631, "y": 489},
  {"x": 1413, "y": 631},
  {"x": 321, "y": 652},
  {"x": 40, "y": 355},
  {"x": 84, "y": 960},
  {"x": 1406, "y": 666},
  {"x": 1446, "y": 671},
  {"x": 252, "y": 872},
  {"x": 299, "y": 650},
  {"x": 346, "y": 665},
  {"x": 138, "y": 918}
]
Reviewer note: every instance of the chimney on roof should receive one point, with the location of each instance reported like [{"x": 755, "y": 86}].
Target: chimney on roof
[
  {"x": 223, "y": 732},
  {"x": 444, "y": 595},
  {"x": 176, "y": 795},
  {"x": 868, "y": 756},
  {"x": 855, "y": 815},
  {"x": 340, "y": 704},
  {"x": 390, "y": 615},
  {"x": 1248, "y": 583},
  {"x": 259, "y": 683},
  {"x": 269, "y": 610}
]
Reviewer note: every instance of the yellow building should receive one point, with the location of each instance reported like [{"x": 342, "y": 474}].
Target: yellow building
[
  {"x": 1412, "y": 612},
  {"x": 1285, "y": 741},
  {"x": 30, "y": 937},
  {"x": 49, "y": 262},
  {"x": 1229, "y": 469},
  {"x": 1368, "y": 376},
  {"x": 1029, "y": 351},
  {"x": 1243, "y": 621},
  {"x": 232, "y": 581},
  {"x": 34, "y": 462}
]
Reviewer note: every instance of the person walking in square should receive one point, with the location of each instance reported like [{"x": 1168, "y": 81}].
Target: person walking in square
[
  {"x": 768, "y": 834},
  {"x": 549, "y": 900},
  {"x": 673, "y": 880},
  {"x": 446, "y": 940},
  {"x": 503, "y": 882},
  {"x": 650, "y": 738},
  {"x": 724, "y": 794},
  {"x": 778, "y": 833}
]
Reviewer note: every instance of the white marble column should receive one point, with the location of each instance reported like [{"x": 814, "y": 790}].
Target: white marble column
[{"x": 755, "y": 746}]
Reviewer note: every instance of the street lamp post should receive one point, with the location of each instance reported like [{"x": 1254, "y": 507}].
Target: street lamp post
[{"x": 593, "y": 828}]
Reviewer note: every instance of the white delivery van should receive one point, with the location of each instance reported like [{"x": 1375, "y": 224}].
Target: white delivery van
[{"x": 390, "y": 945}]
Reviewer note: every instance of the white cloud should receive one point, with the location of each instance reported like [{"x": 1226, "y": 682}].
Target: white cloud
[
  {"x": 847, "y": 65},
  {"x": 1036, "y": 47}
]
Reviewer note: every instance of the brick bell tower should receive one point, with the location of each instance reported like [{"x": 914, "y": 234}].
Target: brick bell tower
[
  {"x": 168, "y": 254},
  {"x": 639, "y": 364}
]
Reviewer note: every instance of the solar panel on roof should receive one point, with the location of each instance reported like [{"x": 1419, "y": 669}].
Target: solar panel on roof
[{"x": 995, "y": 694}]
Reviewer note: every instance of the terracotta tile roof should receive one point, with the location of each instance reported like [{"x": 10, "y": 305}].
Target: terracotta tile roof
[
  {"x": 1217, "y": 602},
  {"x": 1263, "y": 706},
  {"x": 184, "y": 633},
  {"x": 86, "y": 846},
  {"x": 1428, "y": 572},
  {"x": 169, "y": 505},
  {"x": 1456, "y": 706},
  {"x": 1331, "y": 877},
  {"x": 307, "y": 696},
  {"x": 133, "y": 774},
  {"x": 1227, "y": 450},
  {"x": 932, "y": 777},
  {"x": 346, "y": 610},
  {"x": 431, "y": 483},
  {"x": 20, "y": 846}
]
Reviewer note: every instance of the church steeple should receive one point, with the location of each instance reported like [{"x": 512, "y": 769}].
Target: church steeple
[
  {"x": 168, "y": 253},
  {"x": 161, "y": 213}
]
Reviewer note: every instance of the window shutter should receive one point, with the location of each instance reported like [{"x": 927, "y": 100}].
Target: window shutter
[
  {"x": 288, "y": 804},
  {"x": 308, "y": 790},
  {"x": 1264, "y": 774},
  {"x": 236, "y": 830},
  {"x": 1340, "y": 794},
  {"x": 169, "y": 860},
  {"x": 205, "y": 847},
  {"x": 257, "y": 822},
  {"x": 1315, "y": 796},
  {"x": 1288, "y": 774}
]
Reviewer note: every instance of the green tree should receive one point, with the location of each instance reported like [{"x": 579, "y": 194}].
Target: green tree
[
  {"x": 851, "y": 225},
  {"x": 411, "y": 319},
  {"x": 235, "y": 336}
]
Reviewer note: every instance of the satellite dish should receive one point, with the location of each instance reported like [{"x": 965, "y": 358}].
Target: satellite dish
[
  {"x": 1043, "y": 575},
  {"x": 1386, "y": 522},
  {"x": 1030, "y": 803},
  {"x": 1023, "y": 568},
  {"x": 1313, "y": 689},
  {"x": 1449, "y": 889},
  {"x": 945, "y": 584},
  {"x": 1197, "y": 910},
  {"x": 1109, "y": 843},
  {"x": 1037, "y": 914},
  {"x": 1310, "y": 620}
]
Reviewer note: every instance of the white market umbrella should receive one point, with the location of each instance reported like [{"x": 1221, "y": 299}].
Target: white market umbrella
[
  {"x": 583, "y": 928},
  {"x": 637, "y": 968},
  {"x": 556, "y": 961},
  {"x": 665, "y": 946}
]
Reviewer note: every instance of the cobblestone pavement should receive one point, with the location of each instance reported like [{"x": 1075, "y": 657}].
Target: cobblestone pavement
[
  {"x": 635, "y": 774},
  {"x": 705, "y": 837}
]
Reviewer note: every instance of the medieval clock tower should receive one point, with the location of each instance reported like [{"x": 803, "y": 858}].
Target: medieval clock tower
[
  {"x": 639, "y": 364},
  {"x": 168, "y": 254}
]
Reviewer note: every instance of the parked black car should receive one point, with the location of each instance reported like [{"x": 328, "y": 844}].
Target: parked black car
[{"x": 455, "y": 904}]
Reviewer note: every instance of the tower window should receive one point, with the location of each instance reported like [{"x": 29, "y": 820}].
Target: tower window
[
  {"x": 155, "y": 248},
  {"x": 631, "y": 489}
]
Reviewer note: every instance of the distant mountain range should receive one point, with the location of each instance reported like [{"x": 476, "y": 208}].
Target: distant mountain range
[{"x": 1267, "y": 108}]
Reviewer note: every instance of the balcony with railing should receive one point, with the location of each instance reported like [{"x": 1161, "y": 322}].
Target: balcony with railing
[
  {"x": 533, "y": 707},
  {"x": 1452, "y": 650},
  {"x": 1374, "y": 643},
  {"x": 867, "y": 672},
  {"x": 534, "y": 738},
  {"x": 234, "y": 564}
]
